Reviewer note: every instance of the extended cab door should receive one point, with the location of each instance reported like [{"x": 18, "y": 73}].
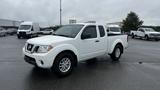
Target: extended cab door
[
  {"x": 102, "y": 37},
  {"x": 88, "y": 45},
  {"x": 140, "y": 32}
]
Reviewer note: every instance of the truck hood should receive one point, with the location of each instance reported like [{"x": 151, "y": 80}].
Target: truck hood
[{"x": 48, "y": 40}]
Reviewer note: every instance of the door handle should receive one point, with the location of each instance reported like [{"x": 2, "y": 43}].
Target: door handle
[{"x": 97, "y": 41}]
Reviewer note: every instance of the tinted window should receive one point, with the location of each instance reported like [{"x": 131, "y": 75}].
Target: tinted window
[
  {"x": 91, "y": 31},
  {"x": 24, "y": 27},
  {"x": 149, "y": 30},
  {"x": 69, "y": 30},
  {"x": 140, "y": 30},
  {"x": 101, "y": 31},
  {"x": 115, "y": 29}
]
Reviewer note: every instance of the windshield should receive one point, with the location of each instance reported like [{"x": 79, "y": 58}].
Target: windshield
[
  {"x": 24, "y": 27},
  {"x": 115, "y": 29},
  {"x": 149, "y": 30},
  {"x": 68, "y": 30}
]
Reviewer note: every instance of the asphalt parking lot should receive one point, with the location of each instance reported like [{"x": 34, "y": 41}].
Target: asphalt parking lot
[{"x": 103, "y": 74}]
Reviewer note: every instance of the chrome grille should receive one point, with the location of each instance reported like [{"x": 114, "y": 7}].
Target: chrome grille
[{"x": 155, "y": 34}]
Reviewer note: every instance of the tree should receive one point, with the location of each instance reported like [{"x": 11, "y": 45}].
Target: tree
[{"x": 132, "y": 22}]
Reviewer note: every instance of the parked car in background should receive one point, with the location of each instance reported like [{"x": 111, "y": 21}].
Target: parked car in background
[
  {"x": 146, "y": 33},
  {"x": 28, "y": 29},
  {"x": 11, "y": 31},
  {"x": 46, "y": 31},
  {"x": 114, "y": 30},
  {"x": 71, "y": 44},
  {"x": 3, "y": 32}
]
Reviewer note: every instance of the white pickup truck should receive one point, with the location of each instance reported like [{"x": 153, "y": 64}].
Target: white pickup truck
[
  {"x": 147, "y": 33},
  {"x": 70, "y": 44}
]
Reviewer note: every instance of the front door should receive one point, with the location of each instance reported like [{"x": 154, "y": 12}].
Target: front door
[{"x": 88, "y": 43}]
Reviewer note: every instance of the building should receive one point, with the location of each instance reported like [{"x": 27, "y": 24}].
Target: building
[
  {"x": 72, "y": 21},
  {"x": 90, "y": 22},
  {"x": 9, "y": 23}
]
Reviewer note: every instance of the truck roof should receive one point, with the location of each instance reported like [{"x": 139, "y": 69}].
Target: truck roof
[
  {"x": 26, "y": 23},
  {"x": 88, "y": 23},
  {"x": 113, "y": 26}
]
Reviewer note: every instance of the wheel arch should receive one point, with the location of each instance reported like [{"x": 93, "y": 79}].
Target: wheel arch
[
  {"x": 71, "y": 52},
  {"x": 65, "y": 48},
  {"x": 117, "y": 42}
]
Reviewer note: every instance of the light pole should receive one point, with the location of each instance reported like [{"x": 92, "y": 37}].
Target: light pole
[{"x": 60, "y": 12}]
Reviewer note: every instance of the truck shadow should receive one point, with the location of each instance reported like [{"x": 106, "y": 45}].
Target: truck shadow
[{"x": 85, "y": 71}]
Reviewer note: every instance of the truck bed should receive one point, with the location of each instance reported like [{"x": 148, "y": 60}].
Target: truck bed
[{"x": 115, "y": 38}]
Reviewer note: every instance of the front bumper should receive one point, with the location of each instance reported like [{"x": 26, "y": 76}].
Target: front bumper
[
  {"x": 42, "y": 60},
  {"x": 154, "y": 37}
]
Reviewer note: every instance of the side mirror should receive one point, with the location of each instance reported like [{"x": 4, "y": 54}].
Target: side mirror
[{"x": 86, "y": 36}]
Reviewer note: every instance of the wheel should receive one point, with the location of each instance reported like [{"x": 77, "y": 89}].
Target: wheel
[
  {"x": 117, "y": 53},
  {"x": 36, "y": 35},
  {"x": 63, "y": 64},
  {"x": 18, "y": 37},
  {"x": 157, "y": 39},
  {"x": 28, "y": 36},
  {"x": 133, "y": 35},
  {"x": 146, "y": 37}
]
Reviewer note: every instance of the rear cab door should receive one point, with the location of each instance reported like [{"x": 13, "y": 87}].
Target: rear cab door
[
  {"x": 102, "y": 37},
  {"x": 91, "y": 45}
]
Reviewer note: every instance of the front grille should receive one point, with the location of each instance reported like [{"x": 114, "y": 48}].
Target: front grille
[
  {"x": 29, "y": 47},
  {"x": 22, "y": 33},
  {"x": 30, "y": 60},
  {"x": 155, "y": 34}
]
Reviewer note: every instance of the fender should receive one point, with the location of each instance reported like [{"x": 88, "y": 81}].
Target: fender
[
  {"x": 114, "y": 44},
  {"x": 60, "y": 48}
]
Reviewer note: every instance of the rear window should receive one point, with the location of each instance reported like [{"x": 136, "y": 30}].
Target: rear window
[{"x": 115, "y": 29}]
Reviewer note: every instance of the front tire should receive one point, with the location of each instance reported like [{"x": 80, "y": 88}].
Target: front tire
[
  {"x": 133, "y": 35},
  {"x": 115, "y": 56},
  {"x": 63, "y": 64},
  {"x": 156, "y": 39},
  {"x": 146, "y": 37},
  {"x": 18, "y": 37}
]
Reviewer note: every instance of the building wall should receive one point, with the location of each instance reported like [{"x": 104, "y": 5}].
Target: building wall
[{"x": 5, "y": 22}]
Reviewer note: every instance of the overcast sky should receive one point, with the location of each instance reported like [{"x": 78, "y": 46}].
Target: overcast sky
[{"x": 103, "y": 11}]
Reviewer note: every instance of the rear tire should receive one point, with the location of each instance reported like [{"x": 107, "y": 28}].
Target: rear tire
[
  {"x": 63, "y": 64},
  {"x": 146, "y": 37},
  {"x": 116, "y": 54},
  {"x": 18, "y": 37},
  {"x": 156, "y": 39},
  {"x": 133, "y": 35}
]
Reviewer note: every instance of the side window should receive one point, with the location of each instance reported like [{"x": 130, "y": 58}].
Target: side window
[
  {"x": 141, "y": 30},
  {"x": 89, "y": 32},
  {"x": 101, "y": 31}
]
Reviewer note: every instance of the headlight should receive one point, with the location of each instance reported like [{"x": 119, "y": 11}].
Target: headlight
[{"x": 44, "y": 48}]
